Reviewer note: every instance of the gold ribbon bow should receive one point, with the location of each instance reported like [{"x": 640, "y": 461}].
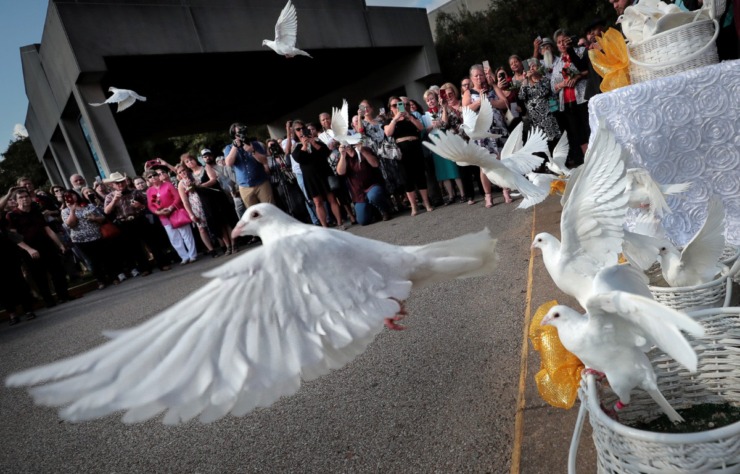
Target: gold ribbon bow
[
  {"x": 612, "y": 62},
  {"x": 560, "y": 371}
]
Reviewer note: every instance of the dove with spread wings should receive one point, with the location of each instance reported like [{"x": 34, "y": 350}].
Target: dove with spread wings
[
  {"x": 621, "y": 324},
  {"x": 286, "y": 32},
  {"x": 123, "y": 97},
  {"x": 288, "y": 311},
  {"x": 506, "y": 173},
  {"x": 340, "y": 126}
]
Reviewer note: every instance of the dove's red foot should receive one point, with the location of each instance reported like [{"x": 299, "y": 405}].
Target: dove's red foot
[
  {"x": 391, "y": 323},
  {"x": 611, "y": 413},
  {"x": 599, "y": 375}
]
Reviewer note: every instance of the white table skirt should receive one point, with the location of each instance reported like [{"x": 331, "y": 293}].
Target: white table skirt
[{"x": 683, "y": 128}]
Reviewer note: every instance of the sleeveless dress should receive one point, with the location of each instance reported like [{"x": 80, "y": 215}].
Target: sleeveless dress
[{"x": 218, "y": 208}]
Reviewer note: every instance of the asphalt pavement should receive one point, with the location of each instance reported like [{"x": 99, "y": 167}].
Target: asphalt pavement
[{"x": 454, "y": 392}]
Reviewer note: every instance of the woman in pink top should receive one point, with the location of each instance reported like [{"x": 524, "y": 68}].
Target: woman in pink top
[{"x": 162, "y": 199}]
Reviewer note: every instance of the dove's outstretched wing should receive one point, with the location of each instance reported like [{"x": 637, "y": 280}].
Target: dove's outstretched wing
[
  {"x": 286, "y": 28},
  {"x": 477, "y": 125},
  {"x": 340, "y": 125},
  {"x": 703, "y": 252},
  {"x": 523, "y": 159},
  {"x": 641, "y": 322},
  {"x": 593, "y": 216},
  {"x": 514, "y": 141},
  {"x": 453, "y": 147},
  {"x": 125, "y": 98},
  {"x": 560, "y": 155},
  {"x": 266, "y": 321}
]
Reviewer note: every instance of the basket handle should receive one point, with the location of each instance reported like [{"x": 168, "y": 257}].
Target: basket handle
[
  {"x": 576, "y": 439},
  {"x": 683, "y": 59}
]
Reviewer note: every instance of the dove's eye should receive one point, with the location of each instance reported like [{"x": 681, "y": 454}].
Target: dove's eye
[
  {"x": 662, "y": 249},
  {"x": 556, "y": 315},
  {"x": 255, "y": 214}
]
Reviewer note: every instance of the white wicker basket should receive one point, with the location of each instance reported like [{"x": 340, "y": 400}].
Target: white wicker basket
[
  {"x": 729, "y": 254},
  {"x": 673, "y": 51},
  {"x": 707, "y": 295},
  {"x": 622, "y": 449}
]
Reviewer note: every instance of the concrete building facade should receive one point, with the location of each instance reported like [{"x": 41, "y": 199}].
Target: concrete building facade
[{"x": 202, "y": 66}]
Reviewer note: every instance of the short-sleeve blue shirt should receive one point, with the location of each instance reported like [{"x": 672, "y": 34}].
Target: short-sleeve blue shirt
[{"x": 248, "y": 171}]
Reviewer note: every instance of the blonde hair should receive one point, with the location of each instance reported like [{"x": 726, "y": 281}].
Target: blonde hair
[
  {"x": 448, "y": 86},
  {"x": 429, "y": 92}
]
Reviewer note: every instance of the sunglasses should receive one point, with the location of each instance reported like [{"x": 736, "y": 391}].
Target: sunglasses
[
  {"x": 394, "y": 104},
  {"x": 299, "y": 129}
]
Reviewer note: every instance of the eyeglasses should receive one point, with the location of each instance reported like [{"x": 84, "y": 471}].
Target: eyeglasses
[{"x": 394, "y": 104}]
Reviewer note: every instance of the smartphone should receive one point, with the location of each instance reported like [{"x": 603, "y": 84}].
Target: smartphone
[
  {"x": 382, "y": 111},
  {"x": 401, "y": 107},
  {"x": 486, "y": 65},
  {"x": 443, "y": 94}
]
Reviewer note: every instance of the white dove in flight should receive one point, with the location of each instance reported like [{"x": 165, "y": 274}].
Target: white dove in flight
[
  {"x": 698, "y": 262},
  {"x": 123, "y": 97},
  {"x": 618, "y": 329},
  {"x": 556, "y": 163},
  {"x": 591, "y": 225},
  {"x": 340, "y": 125},
  {"x": 287, "y": 311},
  {"x": 477, "y": 125},
  {"x": 506, "y": 173},
  {"x": 286, "y": 31},
  {"x": 644, "y": 192}
]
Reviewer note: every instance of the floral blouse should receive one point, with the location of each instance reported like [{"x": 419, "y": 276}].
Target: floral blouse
[{"x": 85, "y": 230}]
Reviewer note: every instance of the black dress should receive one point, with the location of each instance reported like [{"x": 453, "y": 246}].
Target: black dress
[
  {"x": 218, "y": 207},
  {"x": 315, "y": 168}
]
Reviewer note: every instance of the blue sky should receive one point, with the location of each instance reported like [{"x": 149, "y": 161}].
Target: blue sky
[{"x": 21, "y": 24}]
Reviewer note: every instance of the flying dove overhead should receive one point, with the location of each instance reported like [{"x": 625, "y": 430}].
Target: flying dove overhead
[
  {"x": 286, "y": 31},
  {"x": 591, "y": 225},
  {"x": 123, "y": 97},
  {"x": 477, "y": 125},
  {"x": 698, "y": 262},
  {"x": 340, "y": 125},
  {"x": 287, "y": 311},
  {"x": 644, "y": 192},
  {"x": 506, "y": 173},
  {"x": 618, "y": 329}
]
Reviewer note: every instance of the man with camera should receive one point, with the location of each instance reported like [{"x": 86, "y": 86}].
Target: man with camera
[{"x": 249, "y": 160}]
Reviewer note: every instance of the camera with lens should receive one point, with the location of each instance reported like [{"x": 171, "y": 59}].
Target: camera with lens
[
  {"x": 241, "y": 134},
  {"x": 275, "y": 149}
]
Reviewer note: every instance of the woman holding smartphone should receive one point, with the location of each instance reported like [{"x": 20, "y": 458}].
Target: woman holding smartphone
[{"x": 406, "y": 130}]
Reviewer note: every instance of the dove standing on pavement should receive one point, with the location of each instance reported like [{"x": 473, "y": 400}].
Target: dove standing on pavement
[
  {"x": 287, "y": 311},
  {"x": 506, "y": 173},
  {"x": 620, "y": 326},
  {"x": 286, "y": 31},
  {"x": 698, "y": 262},
  {"x": 123, "y": 97},
  {"x": 591, "y": 226},
  {"x": 645, "y": 193}
]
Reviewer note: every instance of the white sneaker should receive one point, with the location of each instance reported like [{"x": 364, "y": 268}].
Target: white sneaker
[
  {"x": 121, "y": 276},
  {"x": 134, "y": 273},
  {"x": 193, "y": 259},
  {"x": 184, "y": 261}
]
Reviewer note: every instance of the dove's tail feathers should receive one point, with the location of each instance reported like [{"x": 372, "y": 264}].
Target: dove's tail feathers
[
  {"x": 670, "y": 412},
  {"x": 674, "y": 188},
  {"x": 466, "y": 256}
]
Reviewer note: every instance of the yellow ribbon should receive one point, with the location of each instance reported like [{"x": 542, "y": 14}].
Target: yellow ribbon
[
  {"x": 612, "y": 62},
  {"x": 557, "y": 186},
  {"x": 560, "y": 371}
]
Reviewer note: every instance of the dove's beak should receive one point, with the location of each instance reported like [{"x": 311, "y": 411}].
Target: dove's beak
[{"x": 237, "y": 232}]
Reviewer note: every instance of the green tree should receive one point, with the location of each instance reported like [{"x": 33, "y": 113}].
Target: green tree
[
  {"x": 506, "y": 28},
  {"x": 20, "y": 160}
]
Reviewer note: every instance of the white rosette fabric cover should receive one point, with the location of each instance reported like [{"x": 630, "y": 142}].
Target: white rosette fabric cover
[{"x": 683, "y": 128}]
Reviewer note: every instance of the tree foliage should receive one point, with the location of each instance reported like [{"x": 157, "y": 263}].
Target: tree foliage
[
  {"x": 506, "y": 28},
  {"x": 20, "y": 160}
]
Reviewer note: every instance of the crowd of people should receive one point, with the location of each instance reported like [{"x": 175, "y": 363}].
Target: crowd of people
[{"x": 122, "y": 227}]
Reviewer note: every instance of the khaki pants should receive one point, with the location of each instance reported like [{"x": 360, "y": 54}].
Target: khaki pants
[{"x": 256, "y": 194}]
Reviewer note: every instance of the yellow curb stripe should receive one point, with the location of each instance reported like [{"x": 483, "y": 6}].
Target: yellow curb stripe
[{"x": 516, "y": 454}]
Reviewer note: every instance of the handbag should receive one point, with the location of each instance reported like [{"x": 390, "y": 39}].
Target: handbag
[
  {"x": 179, "y": 218},
  {"x": 109, "y": 230},
  {"x": 334, "y": 183},
  {"x": 389, "y": 150}
]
